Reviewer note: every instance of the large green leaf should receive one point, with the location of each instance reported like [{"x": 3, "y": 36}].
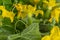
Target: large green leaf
[
  {"x": 3, "y": 34},
  {"x": 7, "y": 26},
  {"x": 14, "y": 36},
  {"x": 30, "y": 33}
]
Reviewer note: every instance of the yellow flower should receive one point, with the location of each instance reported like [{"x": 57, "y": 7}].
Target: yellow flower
[
  {"x": 21, "y": 10},
  {"x": 21, "y": 15},
  {"x": 2, "y": 7},
  {"x": 50, "y": 3},
  {"x": 30, "y": 10},
  {"x": 39, "y": 12},
  {"x": 54, "y": 34},
  {"x": 9, "y": 15},
  {"x": 25, "y": 10},
  {"x": 6, "y": 13},
  {"x": 47, "y": 37},
  {"x": 55, "y": 14},
  {"x": 18, "y": 6}
]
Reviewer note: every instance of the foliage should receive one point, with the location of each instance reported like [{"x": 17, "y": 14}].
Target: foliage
[{"x": 29, "y": 19}]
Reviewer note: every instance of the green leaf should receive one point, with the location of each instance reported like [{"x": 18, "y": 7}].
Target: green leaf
[
  {"x": 31, "y": 32},
  {"x": 20, "y": 25},
  {"x": 28, "y": 20},
  {"x": 3, "y": 34},
  {"x": 6, "y": 21},
  {"x": 8, "y": 29},
  {"x": 7, "y": 2},
  {"x": 8, "y": 7},
  {"x": 53, "y": 21},
  {"x": 3, "y": 37},
  {"x": 47, "y": 14},
  {"x": 1, "y": 2},
  {"x": 7, "y": 26},
  {"x": 31, "y": 20},
  {"x": 14, "y": 36}
]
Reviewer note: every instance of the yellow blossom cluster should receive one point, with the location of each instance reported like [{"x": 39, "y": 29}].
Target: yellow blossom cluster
[
  {"x": 54, "y": 34},
  {"x": 55, "y": 14},
  {"x": 50, "y": 3},
  {"x": 6, "y": 13},
  {"x": 27, "y": 10}
]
